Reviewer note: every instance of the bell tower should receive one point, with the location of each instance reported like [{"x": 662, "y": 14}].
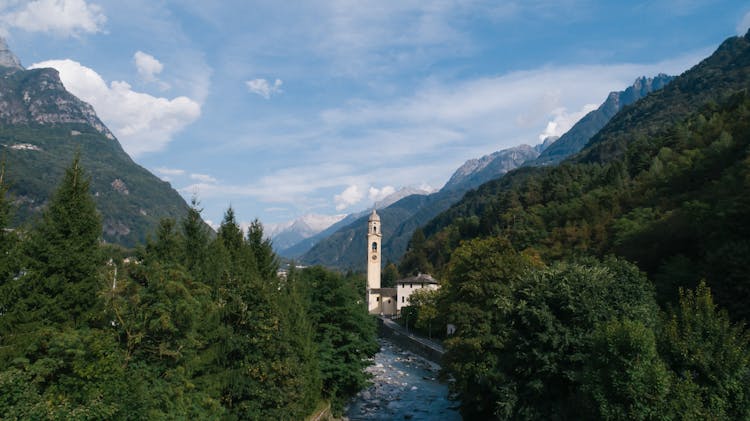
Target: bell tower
[{"x": 374, "y": 237}]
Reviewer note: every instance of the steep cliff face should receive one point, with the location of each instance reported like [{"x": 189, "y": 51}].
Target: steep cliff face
[
  {"x": 7, "y": 58},
  {"x": 38, "y": 96},
  {"x": 42, "y": 126}
]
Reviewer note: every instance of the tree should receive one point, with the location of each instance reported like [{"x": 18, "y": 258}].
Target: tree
[
  {"x": 195, "y": 241},
  {"x": 425, "y": 303},
  {"x": 701, "y": 345},
  {"x": 9, "y": 264},
  {"x": 478, "y": 295},
  {"x": 64, "y": 256},
  {"x": 390, "y": 276},
  {"x": 268, "y": 263},
  {"x": 344, "y": 332},
  {"x": 624, "y": 377},
  {"x": 54, "y": 333}
]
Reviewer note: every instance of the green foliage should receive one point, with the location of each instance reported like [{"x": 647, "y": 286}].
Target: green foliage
[
  {"x": 674, "y": 203},
  {"x": 344, "y": 332},
  {"x": 63, "y": 258},
  {"x": 9, "y": 253},
  {"x": 390, "y": 276},
  {"x": 33, "y": 175},
  {"x": 702, "y": 346},
  {"x": 194, "y": 327},
  {"x": 424, "y": 313},
  {"x": 624, "y": 376}
]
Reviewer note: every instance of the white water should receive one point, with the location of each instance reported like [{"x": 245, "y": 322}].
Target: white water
[{"x": 404, "y": 388}]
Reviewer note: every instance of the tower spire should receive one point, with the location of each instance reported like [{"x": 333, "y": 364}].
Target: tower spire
[{"x": 374, "y": 252}]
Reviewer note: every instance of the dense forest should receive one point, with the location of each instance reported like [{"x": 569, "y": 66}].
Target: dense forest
[
  {"x": 193, "y": 325},
  {"x": 615, "y": 285}
]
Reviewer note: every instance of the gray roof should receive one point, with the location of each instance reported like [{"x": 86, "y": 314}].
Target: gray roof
[{"x": 422, "y": 278}]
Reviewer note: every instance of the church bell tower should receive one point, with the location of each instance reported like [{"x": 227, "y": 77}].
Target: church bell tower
[{"x": 374, "y": 237}]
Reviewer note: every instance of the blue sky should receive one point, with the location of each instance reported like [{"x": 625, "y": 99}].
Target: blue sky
[{"x": 288, "y": 108}]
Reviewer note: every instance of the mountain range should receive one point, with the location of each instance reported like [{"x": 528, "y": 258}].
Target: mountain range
[
  {"x": 576, "y": 138},
  {"x": 42, "y": 126},
  {"x": 343, "y": 248},
  {"x": 663, "y": 184}
]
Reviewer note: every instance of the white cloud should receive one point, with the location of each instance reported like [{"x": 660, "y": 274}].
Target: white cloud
[
  {"x": 64, "y": 17},
  {"x": 142, "y": 122},
  {"x": 148, "y": 68},
  {"x": 350, "y": 196},
  {"x": 376, "y": 195},
  {"x": 263, "y": 88},
  {"x": 170, "y": 171},
  {"x": 203, "y": 178},
  {"x": 743, "y": 24},
  {"x": 563, "y": 121}
]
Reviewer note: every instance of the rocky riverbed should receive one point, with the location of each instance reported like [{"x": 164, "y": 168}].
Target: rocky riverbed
[{"x": 405, "y": 387}]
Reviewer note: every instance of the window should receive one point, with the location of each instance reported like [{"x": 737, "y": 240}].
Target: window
[
  {"x": 374, "y": 228},
  {"x": 374, "y": 245},
  {"x": 402, "y": 298},
  {"x": 389, "y": 301},
  {"x": 377, "y": 298},
  {"x": 411, "y": 285}
]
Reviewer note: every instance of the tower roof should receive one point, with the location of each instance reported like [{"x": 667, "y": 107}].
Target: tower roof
[{"x": 374, "y": 216}]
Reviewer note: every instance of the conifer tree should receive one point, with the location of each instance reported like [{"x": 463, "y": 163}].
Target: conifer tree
[
  {"x": 8, "y": 242},
  {"x": 64, "y": 254},
  {"x": 267, "y": 261},
  {"x": 195, "y": 244}
]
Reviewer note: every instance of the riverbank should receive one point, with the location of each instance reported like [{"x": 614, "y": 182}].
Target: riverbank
[
  {"x": 421, "y": 346},
  {"x": 405, "y": 386}
]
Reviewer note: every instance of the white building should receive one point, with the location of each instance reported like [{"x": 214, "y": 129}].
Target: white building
[
  {"x": 388, "y": 301},
  {"x": 405, "y": 287}
]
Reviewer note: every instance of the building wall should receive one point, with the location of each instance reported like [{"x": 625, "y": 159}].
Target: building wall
[{"x": 406, "y": 289}]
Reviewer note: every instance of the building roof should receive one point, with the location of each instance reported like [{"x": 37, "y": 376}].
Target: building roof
[
  {"x": 421, "y": 278},
  {"x": 374, "y": 216},
  {"x": 385, "y": 292}
]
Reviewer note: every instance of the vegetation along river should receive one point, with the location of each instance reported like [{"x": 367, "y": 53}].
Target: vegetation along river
[{"x": 404, "y": 386}]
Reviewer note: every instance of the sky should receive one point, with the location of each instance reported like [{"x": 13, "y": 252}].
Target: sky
[{"x": 281, "y": 109}]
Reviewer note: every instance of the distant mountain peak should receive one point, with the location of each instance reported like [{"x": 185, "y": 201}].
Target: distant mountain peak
[
  {"x": 477, "y": 171},
  {"x": 576, "y": 138},
  {"x": 38, "y": 96},
  {"x": 7, "y": 58},
  {"x": 398, "y": 195},
  {"x": 286, "y": 234}
]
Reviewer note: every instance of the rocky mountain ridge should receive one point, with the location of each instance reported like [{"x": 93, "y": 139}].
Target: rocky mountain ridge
[
  {"x": 42, "y": 126},
  {"x": 579, "y": 135}
]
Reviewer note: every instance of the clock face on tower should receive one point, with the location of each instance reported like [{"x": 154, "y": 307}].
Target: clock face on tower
[{"x": 374, "y": 257}]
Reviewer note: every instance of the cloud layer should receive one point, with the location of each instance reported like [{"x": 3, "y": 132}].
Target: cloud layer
[
  {"x": 263, "y": 88},
  {"x": 62, "y": 17},
  {"x": 142, "y": 122}
]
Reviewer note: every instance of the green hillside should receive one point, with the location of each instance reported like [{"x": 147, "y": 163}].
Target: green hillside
[
  {"x": 664, "y": 184},
  {"x": 615, "y": 285},
  {"x": 43, "y": 126}
]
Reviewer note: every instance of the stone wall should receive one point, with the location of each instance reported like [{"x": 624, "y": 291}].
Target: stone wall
[{"x": 421, "y": 346}]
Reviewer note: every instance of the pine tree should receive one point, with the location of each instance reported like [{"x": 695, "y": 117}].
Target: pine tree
[
  {"x": 8, "y": 247},
  {"x": 268, "y": 263},
  {"x": 64, "y": 254},
  {"x": 195, "y": 245}
]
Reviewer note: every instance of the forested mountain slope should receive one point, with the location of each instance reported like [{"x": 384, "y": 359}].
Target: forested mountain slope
[
  {"x": 664, "y": 184},
  {"x": 43, "y": 125}
]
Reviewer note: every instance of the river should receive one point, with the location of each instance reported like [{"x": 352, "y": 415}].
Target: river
[{"x": 404, "y": 388}]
